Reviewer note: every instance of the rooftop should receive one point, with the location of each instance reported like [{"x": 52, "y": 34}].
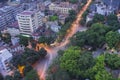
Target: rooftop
[
  {"x": 27, "y": 12},
  {"x": 5, "y": 54},
  {"x": 115, "y": 3}
]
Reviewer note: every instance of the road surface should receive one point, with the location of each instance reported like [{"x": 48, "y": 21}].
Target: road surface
[{"x": 42, "y": 65}]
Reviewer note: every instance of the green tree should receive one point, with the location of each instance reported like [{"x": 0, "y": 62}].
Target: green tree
[
  {"x": 30, "y": 56},
  {"x": 89, "y": 23},
  {"x": 42, "y": 52},
  {"x": 103, "y": 75},
  {"x": 27, "y": 69},
  {"x": 112, "y": 17},
  {"x": 73, "y": 1},
  {"x": 8, "y": 78},
  {"x": 79, "y": 39},
  {"x": 59, "y": 74},
  {"x": 113, "y": 22},
  {"x": 6, "y": 38},
  {"x": 53, "y": 18},
  {"x": 112, "y": 39},
  {"x": 76, "y": 62},
  {"x": 98, "y": 71},
  {"x": 23, "y": 40},
  {"x": 32, "y": 75},
  {"x": 112, "y": 61},
  {"x": 98, "y": 18},
  {"x": 17, "y": 75},
  {"x": 48, "y": 40},
  {"x": 54, "y": 71},
  {"x": 17, "y": 60},
  {"x": 94, "y": 36},
  {"x": 42, "y": 39}
]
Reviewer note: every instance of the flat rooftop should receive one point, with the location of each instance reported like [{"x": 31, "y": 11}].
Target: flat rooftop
[{"x": 27, "y": 12}]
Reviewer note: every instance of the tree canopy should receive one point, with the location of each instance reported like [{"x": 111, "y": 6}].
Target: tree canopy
[
  {"x": 94, "y": 36},
  {"x": 98, "y": 18},
  {"x": 32, "y": 75},
  {"x": 112, "y": 61},
  {"x": 77, "y": 62},
  {"x": 112, "y": 39}
]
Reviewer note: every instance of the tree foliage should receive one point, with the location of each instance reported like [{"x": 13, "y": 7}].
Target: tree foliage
[
  {"x": 113, "y": 22},
  {"x": 98, "y": 71},
  {"x": 98, "y": 18},
  {"x": 94, "y": 36},
  {"x": 112, "y": 39},
  {"x": 47, "y": 40},
  {"x": 32, "y": 75},
  {"x": 6, "y": 37},
  {"x": 77, "y": 62},
  {"x": 112, "y": 61},
  {"x": 23, "y": 40}
]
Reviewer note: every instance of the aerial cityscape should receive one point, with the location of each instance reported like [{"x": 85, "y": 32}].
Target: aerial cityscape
[{"x": 59, "y": 39}]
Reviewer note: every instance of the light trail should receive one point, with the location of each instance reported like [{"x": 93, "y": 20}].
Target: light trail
[{"x": 43, "y": 65}]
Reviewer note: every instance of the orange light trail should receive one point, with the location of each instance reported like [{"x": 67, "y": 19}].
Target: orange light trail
[{"x": 42, "y": 66}]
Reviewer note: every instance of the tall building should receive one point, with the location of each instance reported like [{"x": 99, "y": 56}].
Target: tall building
[
  {"x": 29, "y": 21},
  {"x": 2, "y": 22},
  {"x": 7, "y": 14},
  {"x": 5, "y": 57}
]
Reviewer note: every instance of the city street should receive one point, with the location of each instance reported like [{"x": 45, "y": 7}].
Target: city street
[{"x": 42, "y": 65}]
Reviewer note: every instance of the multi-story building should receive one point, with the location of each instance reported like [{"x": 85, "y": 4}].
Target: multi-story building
[
  {"x": 63, "y": 7},
  {"x": 2, "y": 23},
  {"x": 29, "y": 21},
  {"x": 7, "y": 14},
  {"x": 17, "y": 9},
  {"x": 5, "y": 57}
]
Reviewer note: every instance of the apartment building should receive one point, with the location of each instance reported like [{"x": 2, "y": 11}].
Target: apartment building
[
  {"x": 2, "y": 22},
  {"x": 17, "y": 9},
  {"x": 29, "y": 21},
  {"x": 8, "y": 15},
  {"x": 5, "y": 57},
  {"x": 62, "y": 7}
]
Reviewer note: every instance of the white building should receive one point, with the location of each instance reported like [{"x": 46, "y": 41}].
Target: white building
[
  {"x": 29, "y": 21},
  {"x": 5, "y": 57},
  {"x": 54, "y": 26},
  {"x": 13, "y": 29},
  {"x": 102, "y": 9},
  {"x": 89, "y": 17},
  {"x": 63, "y": 7}
]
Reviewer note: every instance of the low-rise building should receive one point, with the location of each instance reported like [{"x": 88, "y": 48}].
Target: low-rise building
[
  {"x": 5, "y": 57},
  {"x": 103, "y": 9},
  {"x": 89, "y": 17},
  {"x": 53, "y": 26},
  {"x": 63, "y": 7},
  {"x": 13, "y": 29}
]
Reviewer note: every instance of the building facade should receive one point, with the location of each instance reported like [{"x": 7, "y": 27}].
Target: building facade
[
  {"x": 29, "y": 21},
  {"x": 8, "y": 15},
  {"x": 63, "y": 7},
  {"x": 5, "y": 57}
]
